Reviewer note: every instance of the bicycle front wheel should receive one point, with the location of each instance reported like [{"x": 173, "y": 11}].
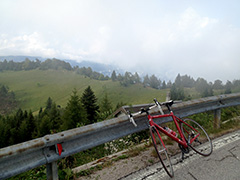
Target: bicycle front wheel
[
  {"x": 161, "y": 151},
  {"x": 196, "y": 137}
]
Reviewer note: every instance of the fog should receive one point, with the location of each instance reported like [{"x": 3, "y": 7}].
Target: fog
[{"x": 198, "y": 38}]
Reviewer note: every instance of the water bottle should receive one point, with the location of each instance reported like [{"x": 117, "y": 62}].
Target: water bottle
[{"x": 170, "y": 131}]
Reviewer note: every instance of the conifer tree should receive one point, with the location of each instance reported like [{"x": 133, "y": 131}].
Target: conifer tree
[
  {"x": 114, "y": 76},
  {"x": 89, "y": 102},
  {"x": 44, "y": 127},
  {"x": 136, "y": 78},
  {"x": 49, "y": 104},
  {"x": 177, "y": 93},
  {"x": 55, "y": 117},
  {"x": 146, "y": 81},
  {"x": 105, "y": 108},
  {"x": 106, "y": 104},
  {"x": 228, "y": 87},
  {"x": 164, "y": 86},
  {"x": 74, "y": 114},
  {"x": 154, "y": 82},
  {"x": 30, "y": 125}
]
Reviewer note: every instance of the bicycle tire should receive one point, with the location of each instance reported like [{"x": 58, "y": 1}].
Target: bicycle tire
[
  {"x": 202, "y": 144},
  {"x": 161, "y": 151}
]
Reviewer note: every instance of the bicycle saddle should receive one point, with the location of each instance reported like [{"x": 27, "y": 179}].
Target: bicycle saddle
[{"x": 168, "y": 103}]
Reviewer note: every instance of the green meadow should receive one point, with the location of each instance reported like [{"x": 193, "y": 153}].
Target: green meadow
[{"x": 32, "y": 88}]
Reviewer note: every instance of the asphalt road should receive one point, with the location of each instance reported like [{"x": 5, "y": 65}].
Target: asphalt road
[{"x": 222, "y": 164}]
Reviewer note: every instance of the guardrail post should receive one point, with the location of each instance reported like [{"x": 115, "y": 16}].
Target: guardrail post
[
  {"x": 217, "y": 119},
  {"x": 52, "y": 171}
]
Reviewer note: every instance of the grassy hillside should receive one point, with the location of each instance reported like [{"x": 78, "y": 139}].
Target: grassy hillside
[{"x": 32, "y": 88}]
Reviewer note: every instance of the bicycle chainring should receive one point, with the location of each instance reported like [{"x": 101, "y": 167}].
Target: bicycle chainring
[{"x": 184, "y": 150}]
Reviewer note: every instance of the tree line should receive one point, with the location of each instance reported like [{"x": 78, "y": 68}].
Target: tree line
[
  {"x": 80, "y": 111},
  {"x": 147, "y": 81},
  {"x": 30, "y": 65},
  {"x": 54, "y": 64},
  {"x": 201, "y": 85},
  {"x": 177, "y": 92},
  {"x": 125, "y": 79}
]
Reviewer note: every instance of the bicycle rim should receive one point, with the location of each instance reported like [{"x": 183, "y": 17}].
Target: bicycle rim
[
  {"x": 197, "y": 137},
  {"x": 161, "y": 151}
]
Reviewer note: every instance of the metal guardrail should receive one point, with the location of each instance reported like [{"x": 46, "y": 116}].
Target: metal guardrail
[{"x": 31, "y": 154}]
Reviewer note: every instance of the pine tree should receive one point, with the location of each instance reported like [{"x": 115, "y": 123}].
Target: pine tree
[
  {"x": 49, "y": 104},
  {"x": 4, "y": 133},
  {"x": 106, "y": 104},
  {"x": 45, "y": 126},
  {"x": 18, "y": 118},
  {"x": 105, "y": 108},
  {"x": 114, "y": 76},
  {"x": 89, "y": 102},
  {"x": 30, "y": 126},
  {"x": 74, "y": 114},
  {"x": 146, "y": 81},
  {"x": 228, "y": 87},
  {"x": 127, "y": 79},
  {"x": 136, "y": 78},
  {"x": 177, "y": 93},
  {"x": 23, "y": 132},
  {"x": 178, "y": 81},
  {"x": 55, "y": 118},
  {"x": 164, "y": 86},
  {"x": 154, "y": 82}
]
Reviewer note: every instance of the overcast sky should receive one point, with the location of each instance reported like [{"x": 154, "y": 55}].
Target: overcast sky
[{"x": 200, "y": 38}]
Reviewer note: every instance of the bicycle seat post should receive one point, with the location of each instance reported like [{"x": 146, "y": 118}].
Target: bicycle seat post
[
  {"x": 169, "y": 107},
  {"x": 144, "y": 110}
]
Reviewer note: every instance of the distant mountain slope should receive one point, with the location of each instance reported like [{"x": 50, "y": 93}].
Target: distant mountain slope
[
  {"x": 21, "y": 58},
  {"x": 98, "y": 67},
  {"x": 32, "y": 88}
]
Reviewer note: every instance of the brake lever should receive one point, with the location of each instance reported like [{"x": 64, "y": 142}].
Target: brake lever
[
  {"x": 131, "y": 119},
  {"x": 159, "y": 106}
]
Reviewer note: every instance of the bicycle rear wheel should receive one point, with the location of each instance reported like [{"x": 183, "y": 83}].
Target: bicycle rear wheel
[
  {"x": 161, "y": 151},
  {"x": 196, "y": 137}
]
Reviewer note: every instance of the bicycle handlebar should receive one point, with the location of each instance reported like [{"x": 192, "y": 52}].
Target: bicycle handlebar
[{"x": 157, "y": 104}]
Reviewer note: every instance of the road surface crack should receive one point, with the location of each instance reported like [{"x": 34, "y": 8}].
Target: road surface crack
[
  {"x": 234, "y": 155},
  {"x": 228, "y": 156},
  {"x": 192, "y": 176}
]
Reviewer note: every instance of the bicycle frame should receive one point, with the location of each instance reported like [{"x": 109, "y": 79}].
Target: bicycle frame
[{"x": 177, "y": 122}]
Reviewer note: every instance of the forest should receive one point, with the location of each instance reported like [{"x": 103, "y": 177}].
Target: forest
[
  {"x": 18, "y": 125},
  {"x": 21, "y": 125},
  {"x": 80, "y": 110}
]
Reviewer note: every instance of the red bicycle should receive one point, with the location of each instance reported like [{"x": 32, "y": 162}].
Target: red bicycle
[{"x": 191, "y": 135}]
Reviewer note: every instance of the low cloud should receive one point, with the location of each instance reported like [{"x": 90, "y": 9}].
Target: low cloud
[
  {"x": 31, "y": 44},
  {"x": 139, "y": 38}
]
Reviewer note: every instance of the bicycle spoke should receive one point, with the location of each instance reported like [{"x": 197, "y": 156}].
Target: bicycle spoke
[
  {"x": 161, "y": 151},
  {"x": 196, "y": 137}
]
